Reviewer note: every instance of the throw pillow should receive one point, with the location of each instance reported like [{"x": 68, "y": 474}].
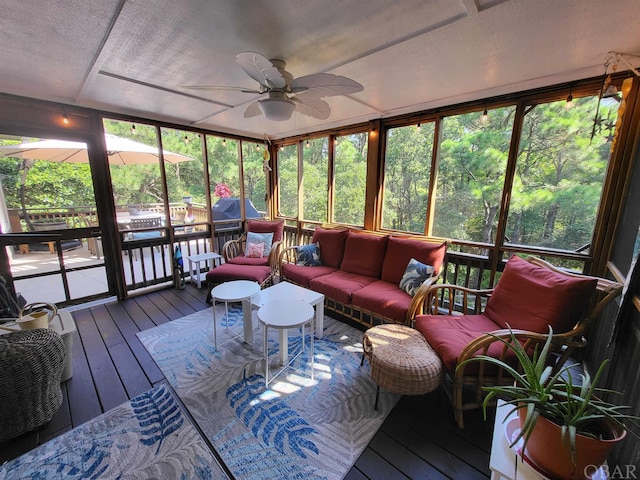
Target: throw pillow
[
  {"x": 254, "y": 250},
  {"x": 414, "y": 275},
  {"x": 265, "y": 238},
  {"x": 308, "y": 255}
]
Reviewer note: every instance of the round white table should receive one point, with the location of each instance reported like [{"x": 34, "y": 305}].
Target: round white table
[
  {"x": 282, "y": 315},
  {"x": 235, "y": 291}
]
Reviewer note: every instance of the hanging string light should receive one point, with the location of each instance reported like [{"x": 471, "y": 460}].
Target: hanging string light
[
  {"x": 485, "y": 116},
  {"x": 133, "y": 128},
  {"x": 569, "y": 103}
]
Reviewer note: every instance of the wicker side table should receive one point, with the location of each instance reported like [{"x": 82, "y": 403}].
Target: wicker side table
[
  {"x": 31, "y": 364},
  {"x": 401, "y": 360}
]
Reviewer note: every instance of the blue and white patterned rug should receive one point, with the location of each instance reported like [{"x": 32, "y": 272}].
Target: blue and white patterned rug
[
  {"x": 147, "y": 437},
  {"x": 298, "y": 427}
]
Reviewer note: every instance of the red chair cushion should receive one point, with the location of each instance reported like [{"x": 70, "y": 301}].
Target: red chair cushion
[
  {"x": 228, "y": 271},
  {"x": 331, "y": 243},
  {"x": 383, "y": 298},
  {"x": 531, "y": 297},
  {"x": 242, "y": 260},
  {"x": 303, "y": 275},
  {"x": 401, "y": 250},
  {"x": 449, "y": 335},
  {"x": 339, "y": 285},
  {"x": 363, "y": 254},
  {"x": 262, "y": 226}
]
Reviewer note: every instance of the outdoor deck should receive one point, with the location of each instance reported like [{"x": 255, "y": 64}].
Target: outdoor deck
[{"x": 419, "y": 438}]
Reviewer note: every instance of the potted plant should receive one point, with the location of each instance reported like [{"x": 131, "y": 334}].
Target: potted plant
[{"x": 566, "y": 428}]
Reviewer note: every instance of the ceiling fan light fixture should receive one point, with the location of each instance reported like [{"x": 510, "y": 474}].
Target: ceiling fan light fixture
[{"x": 278, "y": 109}]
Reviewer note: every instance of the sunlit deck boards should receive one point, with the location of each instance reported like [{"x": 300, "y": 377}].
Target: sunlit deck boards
[{"x": 419, "y": 439}]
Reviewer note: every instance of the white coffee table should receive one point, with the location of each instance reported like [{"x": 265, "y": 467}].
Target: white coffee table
[
  {"x": 283, "y": 314},
  {"x": 209, "y": 258},
  {"x": 286, "y": 290},
  {"x": 235, "y": 291}
]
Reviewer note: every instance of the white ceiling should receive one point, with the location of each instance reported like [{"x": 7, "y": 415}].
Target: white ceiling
[{"x": 135, "y": 56}]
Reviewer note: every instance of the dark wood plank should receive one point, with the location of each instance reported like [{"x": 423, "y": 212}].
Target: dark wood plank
[
  {"x": 131, "y": 374},
  {"x": 171, "y": 296},
  {"x": 81, "y": 391},
  {"x": 156, "y": 315},
  {"x": 128, "y": 328},
  {"x": 168, "y": 309},
  {"x": 110, "y": 389},
  {"x": 138, "y": 315},
  {"x": 375, "y": 467},
  {"x": 403, "y": 459},
  {"x": 108, "y": 329}
]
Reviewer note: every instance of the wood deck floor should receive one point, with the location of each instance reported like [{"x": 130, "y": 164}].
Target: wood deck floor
[{"x": 419, "y": 438}]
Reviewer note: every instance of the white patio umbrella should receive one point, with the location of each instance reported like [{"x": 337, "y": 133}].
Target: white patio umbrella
[{"x": 121, "y": 151}]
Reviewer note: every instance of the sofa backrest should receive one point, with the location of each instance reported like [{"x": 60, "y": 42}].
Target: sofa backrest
[
  {"x": 401, "y": 249},
  {"x": 267, "y": 226},
  {"x": 331, "y": 242},
  {"x": 532, "y": 297},
  {"x": 363, "y": 254}
]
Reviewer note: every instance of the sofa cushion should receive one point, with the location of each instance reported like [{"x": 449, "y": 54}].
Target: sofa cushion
[
  {"x": 363, "y": 254},
  {"x": 400, "y": 250},
  {"x": 254, "y": 238},
  {"x": 308, "y": 255},
  {"x": 303, "y": 275},
  {"x": 331, "y": 243},
  {"x": 383, "y": 298},
  {"x": 415, "y": 275},
  {"x": 244, "y": 260},
  {"x": 262, "y": 226},
  {"x": 339, "y": 285},
  {"x": 531, "y": 297},
  {"x": 448, "y": 335},
  {"x": 228, "y": 272}
]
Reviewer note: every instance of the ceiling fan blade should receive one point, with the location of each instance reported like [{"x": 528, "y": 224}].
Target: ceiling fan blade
[
  {"x": 253, "y": 110},
  {"x": 325, "y": 85},
  {"x": 261, "y": 70},
  {"x": 312, "y": 106},
  {"x": 222, "y": 87}
]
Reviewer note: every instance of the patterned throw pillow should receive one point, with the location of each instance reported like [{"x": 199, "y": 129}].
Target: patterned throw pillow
[
  {"x": 254, "y": 250},
  {"x": 414, "y": 276},
  {"x": 265, "y": 238},
  {"x": 308, "y": 255}
]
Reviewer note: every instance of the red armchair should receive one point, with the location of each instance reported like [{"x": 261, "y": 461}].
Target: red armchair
[
  {"x": 530, "y": 296},
  {"x": 244, "y": 262}
]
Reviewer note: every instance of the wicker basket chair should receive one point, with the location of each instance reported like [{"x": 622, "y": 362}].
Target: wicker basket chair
[{"x": 31, "y": 365}]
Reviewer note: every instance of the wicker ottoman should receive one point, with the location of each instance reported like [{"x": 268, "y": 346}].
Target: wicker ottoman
[
  {"x": 401, "y": 360},
  {"x": 31, "y": 364}
]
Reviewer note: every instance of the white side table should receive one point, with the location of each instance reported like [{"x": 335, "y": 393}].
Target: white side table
[
  {"x": 210, "y": 259},
  {"x": 235, "y": 291},
  {"x": 282, "y": 315},
  {"x": 290, "y": 291}
]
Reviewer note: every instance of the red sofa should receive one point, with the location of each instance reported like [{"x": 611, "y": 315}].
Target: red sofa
[{"x": 360, "y": 273}]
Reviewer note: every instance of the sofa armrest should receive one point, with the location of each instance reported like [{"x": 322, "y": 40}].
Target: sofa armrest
[
  {"x": 274, "y": 256},
  {"x": 234, "y": 248},
  {"x": 287, "y": 255},
  {"x": 448, "y": 299}
]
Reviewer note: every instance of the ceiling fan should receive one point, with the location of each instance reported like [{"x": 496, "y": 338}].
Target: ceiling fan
[{"x": 285, "y": 93}]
